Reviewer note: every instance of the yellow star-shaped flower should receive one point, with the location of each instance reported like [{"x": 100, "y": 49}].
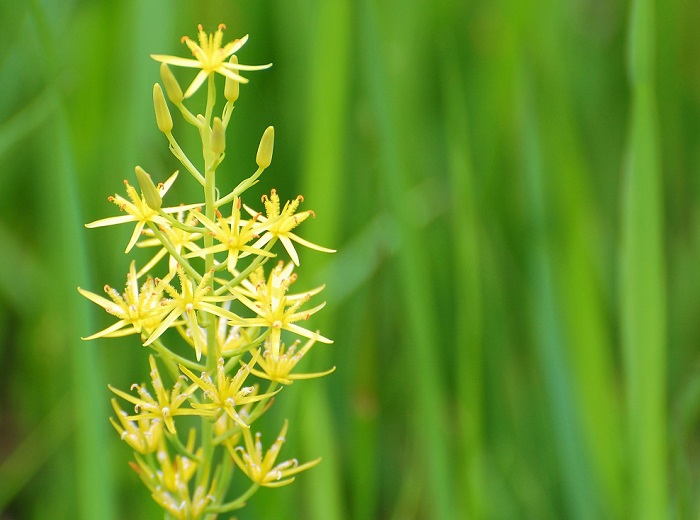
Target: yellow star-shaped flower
[
  {"x": 277, "y": 362},
  {"x": 233, "y": 236},
  {"x": 226, "y": 393},
  {"x": 165, "y": 406},
  {"x": 138, "y": 309},
  {"x": 279, "y": 224},
  {"x": 260, "y": 467},
  {"x": 139, "y": 211},
  {"x": 190, "y": 300},
  {"x": 210, "y": 56},
  {"x": 276, "y": 309}
]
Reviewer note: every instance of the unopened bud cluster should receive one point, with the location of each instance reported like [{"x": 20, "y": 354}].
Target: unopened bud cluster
[{"x": 216, "y": 284}]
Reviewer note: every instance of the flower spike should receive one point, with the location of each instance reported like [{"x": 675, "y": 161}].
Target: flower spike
[{"x": 208, "y": 305}]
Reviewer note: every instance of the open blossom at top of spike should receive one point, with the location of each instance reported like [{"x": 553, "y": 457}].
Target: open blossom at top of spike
[{"x": 210, "y": 56}]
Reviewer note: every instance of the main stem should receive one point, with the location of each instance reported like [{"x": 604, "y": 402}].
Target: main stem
[{"x": 209, "y": 322}]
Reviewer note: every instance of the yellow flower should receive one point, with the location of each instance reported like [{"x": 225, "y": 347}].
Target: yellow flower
[
  {"x": 275, "y": 309},
  {"x": 227, "y": 393},
  {"x": 276, "y": 363},
  {"x": 260, "y": 468},
  {"x": 210, "y": 56},
  {"x": 181, "y": 239},
  {"x": 231, "y": 340},
  {"x": 143, "y": 437},
  {"x": 139, "y": 211},
  {"x": 232, "y": 238},
  {"x": 186, "y": 302},
  {"x": 279, "y": 224},
  {"x": 165, "y": 406},
  {"x": 138, "y": 310},
  {"x": 170, "y": 482}
]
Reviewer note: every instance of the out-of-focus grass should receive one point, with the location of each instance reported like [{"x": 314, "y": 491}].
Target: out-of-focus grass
[
  {"x": 643, "y": 285},
  {"x": 512, "y": 190}
]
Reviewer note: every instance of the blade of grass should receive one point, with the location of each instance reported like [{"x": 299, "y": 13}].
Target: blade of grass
[
  {"x": 322, "y": 171},
  {"x": 94, "y": 477},
  {"x": 16, "y": 285},
  {"x": 578, "y": 251},
  {"x": 643, "y": 291},
  {"x": 24, "y": 121},
  {"x": 468, "y": 366},
  {"x": 581, "y": 501},
  {"x": 20, "y": 466},
  {"x": 428, "y": 398}
]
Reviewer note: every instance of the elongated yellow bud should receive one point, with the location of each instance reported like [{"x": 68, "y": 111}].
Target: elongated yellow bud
[
  {"x": 218, "y": 137},
  {"x": 172, "y": 87},
  {"x": 163, "y": 119},
  {"x": 149, "y": 190},
  {"x": 267, "y": 144},
  {"x": 231, "y": 87}
]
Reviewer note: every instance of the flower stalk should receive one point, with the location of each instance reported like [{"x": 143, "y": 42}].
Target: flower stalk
[{"x": 206, "y": 287}]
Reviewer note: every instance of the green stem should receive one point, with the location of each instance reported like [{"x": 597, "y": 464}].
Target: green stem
[
  {"x": 180, "y": 155},
  {"x": 226, "y": 114},
  {"x": 210, "y": 324},
  {"x": 242, "y": 186},
  {"x": 260, "y": 406},
  {"x": 180, "y": 448},
  {"x": 173, "y": 252},
  {"x": 235, "y": 504},
  {"x": 235, "y": 355},
  {"x": 189, "y": 116},
  {"x": 180, "y": 225},
  {"x": 166, "y": 353}
]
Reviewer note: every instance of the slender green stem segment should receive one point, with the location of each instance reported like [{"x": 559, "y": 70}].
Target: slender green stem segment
[
  {"x": 180, "y": 155},
  {"x": 235, "y": 504},
  {"x": 170, "y": 248},
  {"x": 643, "y": 281},
  {"x": 210, "y": 324}
]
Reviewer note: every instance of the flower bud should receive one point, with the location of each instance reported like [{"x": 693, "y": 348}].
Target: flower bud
[
  {"x": 231, "y": 86},
  {"x": 267, "y": 144},
  {"x": 163, "y": 119},
  {"x": 172, "y": 87},
  {"x": 149, "y": 190},
  {"x": 218, "y": 137}
]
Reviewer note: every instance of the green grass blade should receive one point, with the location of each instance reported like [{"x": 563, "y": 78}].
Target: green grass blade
[
  {"x": 428, "y": 398},
  {"x": 643, "y": 291},
  {"x": 322, "y": 179},
  {"x": 464, "y": 206},
  {"x": 94, "y": 476},
  {"x": 550, "y": 343}
]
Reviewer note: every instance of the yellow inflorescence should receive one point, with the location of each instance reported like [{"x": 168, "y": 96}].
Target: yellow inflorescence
[{"x": 210, "y": 288}]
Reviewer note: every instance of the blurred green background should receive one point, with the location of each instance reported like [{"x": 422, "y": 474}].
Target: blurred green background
[{"x": 512, "y": 187}]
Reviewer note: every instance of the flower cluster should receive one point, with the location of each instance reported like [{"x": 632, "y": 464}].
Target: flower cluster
[{"x": 208, "y": 286}]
